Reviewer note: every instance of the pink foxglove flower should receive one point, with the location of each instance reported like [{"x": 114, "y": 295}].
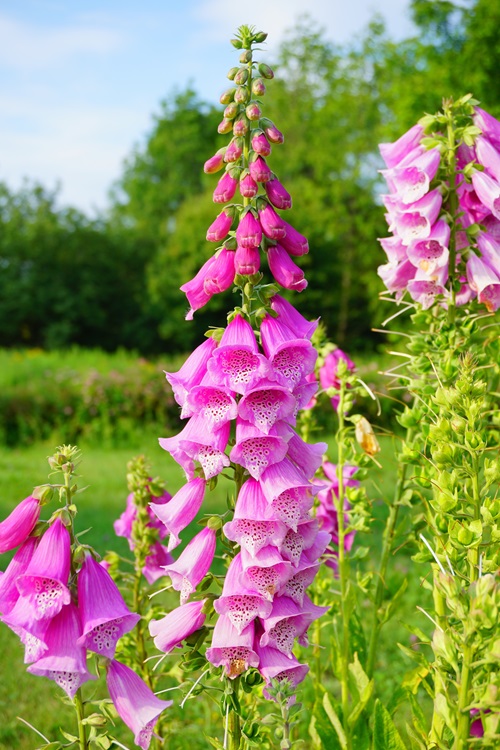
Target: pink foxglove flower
[
  {"x": 279, "y": 197},
  {"x": 220, "y": 226},
  {"x": 432, "y": 253},
  {"x": 135, "y": 702},
  {"x": 488, "y": 191},
  {"x": 44, "y": 583},
  {"x": 284, "y": 270},
  {"x": 488, "y": 124},
  {"x": 266, "y": 405},
  {"x": 226, "y": 188},
  {"x": 153, "y": 564},
  {"x": 104, "y": 615},
  {"x": 307, "y": 456},
  {"x": 396, "y": 275},
  {"x": 328, "y": 373},
  {"x": 411, "y": 179},
  {"x": 181, "y": 510},
  {"x": 295, "y": 542},
  {"x": 291, "y": 358},
  {"x": 252, "y": 527},
  {"x": 249, "y": 232},
  {"x": 394, "y": 153},
  {"x": 232, "y": 650},
  {"x": 485, "y": 282},
  {"x": 19, "y": 524},
  {"x": 9, "y": 593},
  {"x": 488, "y": 156},
  {"x": 248, "y": 186},
  {"x": 64, "y": 661},
  {"x": 214, "y": 405},
  {"x": 260, "y": 170},
  {"x": 292, "y": 319},
  {"x": 256, "y": 450},
  {"x": 415, "y": 221},
  {"x": 215, "y": 163},
  {"x": 289, "y": 492},
  {"x": 246, "y": 261},
  {"x": 215, "y": 276},
  {"x": 260, "y": 144},
  {"x": 265, "y": 572},
  {"x": 194, "y": 443},
  {"x": 294, "y": 242},
  {"x": 234, "y": 150},
  {"x": 272, "y": 133},
  {"x": 193, "y": 564},
  {"x": 241, "y": 604},
  {"x": 272, "y": 224},
  {"x": 276, "y": 665},
  {"x": 192, "y": 371},
  {"x": 172, "y": 629},
  {"x": 287, "y": 622}
]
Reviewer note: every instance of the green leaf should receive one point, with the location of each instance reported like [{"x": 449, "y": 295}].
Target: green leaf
[
  {"x": 321, "y": 730},
  {"x": 68, "y": 736},
  {"x": 335, "y": 721},
  {"x": 361, "y": 688},
  {"x": 393, "y": 603},
  {"x": 215, "y": 743},
  {"x": 385, "y": 734}
]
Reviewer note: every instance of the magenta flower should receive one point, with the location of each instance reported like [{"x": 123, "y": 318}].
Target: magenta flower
[
  {"x": 194, "y": 443},
  {"x": 135, "y": 702},
  {"x": 411, "y": 179},
  {"x": 234, "y": 150},
  {"x": 295, "y": 542},
  {"x": 396, "y": 275},
  {"x": 414, "y": 221},
  {"x": 483, "y": 280},
  {"x": 394, "y": 248},
  {"x": 271, "y": 131},
  {"x": 488, "y": 191},
  {"x": 394, "y": 153},
  {"x": 44, "y": 583},
  {"x": 256, "y": 450},
  {"x": 289, "y": 492},
  {"x": 104, "y": 615},
  {"x": 181, "y": 510},
  {"x": 232, "y": 650},
  {"x": 220, "y": 227},
  {"x": 248, "y": 186},
  {"x": 246, "y": 260},
  {"x": 215, "y": 276},
  {"x": 260, "y": 170},
  {"x": 489, "y": 248},
  {"x": 192, "y": 371},
  {"x": 251, "y": 527},
  {"x": 15, "y": 529},
  {"x": 488, "y": 124},
  {"x": 292, "y": 319},
  {"x": 226, "y": 188},
  {"x": 249, "y": 231},
  {"x": 279, "y": 197},
  {"x": 260, "y": 144},
  {"x": 265, "y": 572},
  {"x": 216, "y": 162},
  {"x": 264, "y": 406},
  {"x": 307, "y": 456},
  {"x": 64, "y": 661},
  {"x": 294, "y": 242},
  {"x": 153, "y": 564},
  {"x": 284, "y": 270},
  {"x": 425, "y": 289},
  {"x": 432, "y": 253},
  {"x": 172, "y": 629},
  {"x": 292, "y": 358},
  {"x": 287, "y": 622},
  {"x": 193, "y": 564},
  {"x": 276, "y": 665},
  {"x": 214, "y": 405},
  {"x": 9, "y": 593},
  {"x": 488, "y": 156},
  {"x": 241, "y": 604},
  {"x": 272, "y": 224}
]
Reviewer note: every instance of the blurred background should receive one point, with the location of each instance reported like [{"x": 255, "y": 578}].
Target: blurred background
[{"x": 109, "y": 112}]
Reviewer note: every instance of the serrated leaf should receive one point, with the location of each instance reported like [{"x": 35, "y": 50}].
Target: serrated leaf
[
  {"x": 321, "y": 730},
  {"x": 385, "y": 734},
  {"x": 335, "y": 721}
]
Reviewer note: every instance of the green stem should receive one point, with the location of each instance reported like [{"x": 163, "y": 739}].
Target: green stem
[
  {"x": 80, "y": 713},
  {"x": 234, "y": 725},
  {"x": 452, "y": 210},
  {"x": 343, "y": 565},
  {"x": 463, "y": 728}
]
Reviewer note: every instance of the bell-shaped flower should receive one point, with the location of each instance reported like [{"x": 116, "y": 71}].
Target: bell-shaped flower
[
  {"x": 135, "y": 703},
  {"x": 172, "y": 629},
  {"x": 488, "y": 191},
  {"x": 296, "y": 585},
  {"x": 19, "y": 524},
  {"x": 234, "y": 150},
  {"x": 64, "y": 661},
  {"x": 431, "y": 253},
  {"x": 44, "y": 583},
  {"x": 294, "y": 242},
  {"x": 226, "y": 188},
  {"x": 248, "y": 186},
  {"x": 489, "y": 125},
  {"x": 192, "y": 371},
  {"x": 124, "y": 525},
  {"x": 220, "y": 226},
  {"x": 215, "y": 276},
  {"x": 260, "y": 144},
  {"x": 260, "y": 170},
  {"x": 305, "y": 392},
  {"x": 216, "y": 162},
  {"x": 287, "y": 622},
  {"x": 249, "y": 231},
  {"x": 394, "y": 249},
  {"x": 251, "y": 527},
  {"x": 488, "y": 156},
  {"x": 279, "y": 197},
  {"x": 328, "y": 372},
  {"x": 231, "y": 649},
  {"x": 424, "y": 289},
  {"x": 394, "y": 153},
  {"x": 489, "y": 246},
  {"x": 292, "y": 319},
  {"x": 272, "y": 224},
  {"x": 264, "y": 406},
  {"x": 241, "y": 604},
  {"x": 396, "y": 275},
  {"x": 181, "y": 510},
  {"x": 237, "y": 363},
  {"x": 289, "y": 492},
  {"x": 153, "y": 564},
  {"x": 265, "y": 572},
  {"x": 295, "y": 542},
  {"x": 9, "y": 593},
  {"x": 256, "y": 450},
  {"x": 484, "y": 281},
  {"x": 193, "y": 564},
  {"x": 30, "y": 632},
  {"x": 104, "y": 615},
  {"x": 415, "y": 221},
  {"x": 194, "y": 443},
  {"x": 411, "y": 179},
  {"x": 246, "y": 261},
  {"x": 214, "y": 405},
  {"x": 292, "y": 358},
  {"x": 274, "y": 665},
  {"x": 307, "y": 456},
  {"x": 271, "y": 131},
  {"x": 285, "y": 271}
]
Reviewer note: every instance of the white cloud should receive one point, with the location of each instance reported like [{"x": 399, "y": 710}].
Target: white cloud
[{"x": 26, "y": 47}]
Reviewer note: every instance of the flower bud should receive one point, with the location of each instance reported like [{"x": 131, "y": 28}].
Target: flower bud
[
  {"x": 231, "y": 111},
  {"x": 260, "y": 37},
  {"x": 260, "y": 170},
  {"x": 234, "y": 150},
  {"x": 248, "y": 186},
  {"x": 241, "y": 96},
  {"x": 265, "y": 71},
  {"x": 260, "y": 144},
  {"x": 249, "y": 232},
  {"x": 240, "y": 126},
  {"x": 232, "y": 72},
  {"x": 227, "y": 96},
  {"x": 247, "y": 261},
  {"x": 271, "y": 131},
  {"x": 241, "y": 76},
  {"x": 279, "y": 197},
  {"x": 246, "y": 56},
  {"x": 226, "y": 188},
  {"x": 221, "y": 226},
  {"x": 216, "y": 162},
  {"x": 253, "y": 111},
  {"x": 258, "y": 87},
  {"x": 237, "y": 43},
  {"x": 225, "y": 126}
]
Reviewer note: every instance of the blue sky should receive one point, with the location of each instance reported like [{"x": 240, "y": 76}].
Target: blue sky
[{"x": 81, "y": 79}]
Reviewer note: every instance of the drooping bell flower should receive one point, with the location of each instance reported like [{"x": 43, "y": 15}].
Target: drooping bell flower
[
  {"x": 195, "y": 443},
  {"x": 272, "y": 133},
  {"x": 273, "y": 664},
  {"x": 104, "y": 615},
  {"x": 294, "y": 242},
  {"x": 489, "y": 248},
  {"x": 124, "y": 525},
  {"x": 220, "y": 226},
  {"x": 394, "y": 153},
  {"x": 264, "y": 406},
  {"x": 216, "y": 162},
  {"x": 425, "y": 289},
  {"x": 305, "y": 392},
  {"x": 483, "y": 280},
  {"x": 279, "y": 197},
  {"x": 215, "y": 406},
  {"x": 232, "y": 650},
  {"x": 295, "y": 542},
  {"x": 288, "y": 491},
  {"x": 411, "y": 179},
  {"x": 488, "y": 156},
  {"x": 256, "y": 450},
  {"x": 396, "y": 275},
  {"x": 394, "y": 248},
  {"x": 328, "y": 373},
  {"x": 9, "y": 593},
  {"x": 285, "y": 271},
  {"x": 432, "y": 253},
  {"x": 307, "y": 456},
  {"x": 15, "y": 529},
  {"x": 260, "y": 170},
  {"x": 287, "y": 622},
  {"x": 192, "y": 371},
  {"x": 226, "y": 188},
  {"x": 171, "y": 630},
  {"x": 265, "y": 572},
  {"x": 246, "y": 261},
  {"x": 215, "y": 276},
  {"x": 488, "y": 191},
  {"x": 135, "y": 702},
  {"x": 181, "y": 510},
  {"x": 237, "y": 363},
  {"x": 234, "y": 150},
  {"x": 415, "y": 221},
  {"x": 248, "y": 186},
  {"x": 260, "y": 144},
  {"x": 44, "y": 583},
  {"x": 64, "y": 661},
  {"x": 193, "y": 564},
  {"x": 251, "y": 527},
  {"x": 291, "y": 358},
  {"x": 153, "y": 564},
  {"x": 489, "y": 125},
  {"x": 249, "y": 231},
  {"x": 272, "y": 225},
  {"x": 30, "y": 632},
  {"x": 292, "y": 319},
  {"x": 241, "y": 604}
]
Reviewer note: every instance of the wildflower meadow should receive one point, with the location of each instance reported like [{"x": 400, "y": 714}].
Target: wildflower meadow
[{"x": 298, "y": 575}]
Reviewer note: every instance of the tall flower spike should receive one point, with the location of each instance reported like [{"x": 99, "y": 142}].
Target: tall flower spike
[
  {"x": 104, "y": 615},
  {"x": 19, "y": 524},
  {"x": 134, "y": 701}
]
